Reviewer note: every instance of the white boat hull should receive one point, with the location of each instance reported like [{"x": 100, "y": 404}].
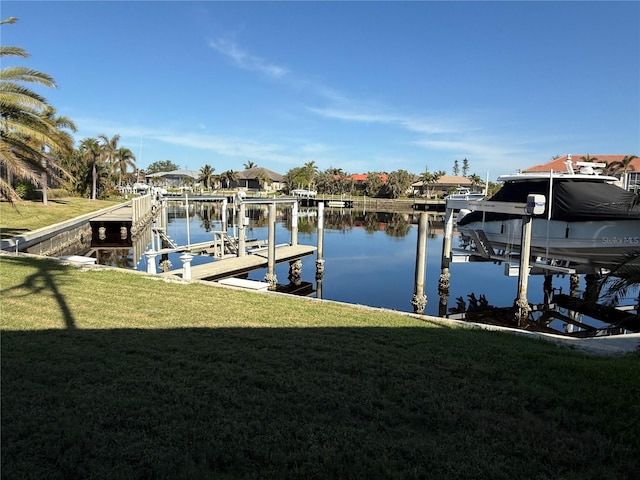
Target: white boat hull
[{"x": 592, "y": 244}]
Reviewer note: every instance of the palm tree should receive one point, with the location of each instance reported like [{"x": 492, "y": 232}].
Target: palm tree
[
  {"x": 228, "y": 177},
  {"x": 249, "y": 165},
  {"x": 109, "y": 147},
  {"x": 206, "y": 175},
  {"x": 123, "y": 159},
  {"x": 624, "y": 276},
  {"x": 589, "y": 158},
  {"x": 263, "y": 179},
  {"x": 25, "y": 127},
  {"x": 92, "y": 155},
  {"x": 311, "y": 171},
  {"x": 625, "y": 164},
  {"x": 475, "y": 180},
  {"x": 427, "y": 178},
  {"x": 65, "y": 141}
]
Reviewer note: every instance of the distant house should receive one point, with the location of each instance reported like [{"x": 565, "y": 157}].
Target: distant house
[
  {"x": 442, "y": 186},
  {"x": 629, "y": 179},
  {"x": 359, "y": 179},
  {"x": 175, "y": 178},
  {"x": 258, "y": 178}
]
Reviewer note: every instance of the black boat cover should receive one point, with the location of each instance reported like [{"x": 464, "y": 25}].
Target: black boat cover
[{"x": 573, "y": 201}]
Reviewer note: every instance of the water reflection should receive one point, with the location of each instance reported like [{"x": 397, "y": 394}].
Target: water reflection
[{"x": 369, "y": 256}]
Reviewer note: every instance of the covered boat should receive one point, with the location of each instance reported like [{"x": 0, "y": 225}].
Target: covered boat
[{"x": 589, "y": 222}]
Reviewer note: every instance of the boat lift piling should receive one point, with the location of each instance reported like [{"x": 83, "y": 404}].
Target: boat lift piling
[
  {"x": 444, "y": 281},
  {"x": 535, "y": 206},
  {"x": 419, "y": 300}
]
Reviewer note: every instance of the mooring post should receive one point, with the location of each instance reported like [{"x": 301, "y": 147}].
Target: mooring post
[
  {"x": 270, "y": 276},
  {"x": 186, "y": 258},
  {"x": 241, "y": 230},
  {"x": 419, "y": 300},
  {"x": 522, "y": 304},
  {"x": 151, "y": 260},
  {"x": 320, "y": 250},
  {"x": 294, "y": 224}
]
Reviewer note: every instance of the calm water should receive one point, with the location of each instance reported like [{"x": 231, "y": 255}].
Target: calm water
[{"x": 369, "y": 257}]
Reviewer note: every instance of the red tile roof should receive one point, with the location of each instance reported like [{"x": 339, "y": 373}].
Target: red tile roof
[
  {"x": 362, "y": 177},
  {"x": 559, "y": 164}
]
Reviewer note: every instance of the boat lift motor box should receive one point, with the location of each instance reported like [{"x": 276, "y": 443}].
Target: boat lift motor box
[{"x": 535, "y": 204}]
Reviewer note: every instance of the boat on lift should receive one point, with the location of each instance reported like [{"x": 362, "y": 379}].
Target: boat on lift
[
  {"x": 465, "y": 193},
  {"x": 589, "y": 222}
]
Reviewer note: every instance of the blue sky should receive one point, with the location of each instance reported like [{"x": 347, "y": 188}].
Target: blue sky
[{"x": 363, "y": 86}]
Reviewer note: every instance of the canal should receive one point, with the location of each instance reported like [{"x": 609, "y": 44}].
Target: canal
[{"x": 369, "y": 256}]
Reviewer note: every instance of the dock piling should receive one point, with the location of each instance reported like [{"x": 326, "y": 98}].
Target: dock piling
[
  {"x": 241, "y": 230},
  {"x": 270, "y": 277},
  {"x": 522, "y": 304},
  {"x": 294, "y": 224},
  {"x": 320, "y": 250},
  {"x": 419, "y": 300}
]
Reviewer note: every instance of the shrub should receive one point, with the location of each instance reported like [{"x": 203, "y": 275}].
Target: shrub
[
  {"x": 25, "y": 190},
  {"x": 109, "y": 193}
]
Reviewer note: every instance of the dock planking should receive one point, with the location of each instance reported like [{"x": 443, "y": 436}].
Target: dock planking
[
  {"x": 229, "y": 267},
  {"x": 122, "y": 214}
]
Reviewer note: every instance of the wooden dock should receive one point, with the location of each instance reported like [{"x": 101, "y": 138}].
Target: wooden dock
[
  {"x": 232, "y": 266},
  {"x": 121, "y": 214}
]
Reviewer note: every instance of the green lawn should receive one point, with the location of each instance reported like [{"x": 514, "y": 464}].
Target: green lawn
[
  {"x": 107, "y": 374},
  {"x": 26, "y": 215}
]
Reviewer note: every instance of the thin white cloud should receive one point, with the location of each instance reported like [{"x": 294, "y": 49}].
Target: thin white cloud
[
  {"x": 246, "y": 61},
  {"x": 406, "y": 122},
  {"x": 232, "y": 147}
]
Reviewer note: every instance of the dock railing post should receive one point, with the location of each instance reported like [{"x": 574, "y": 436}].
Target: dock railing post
[
  {"x": 320, "y": 251},
  {"x": 294, "y": 223},
  {"x": 270, "y": 276},
  {"x": 419, "y": 300},
  {"x": 241, "y": 230},
  {"x": 186, "y": 201}
]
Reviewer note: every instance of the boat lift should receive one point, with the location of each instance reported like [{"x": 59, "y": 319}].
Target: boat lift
[{"x": 534, "y": 206}]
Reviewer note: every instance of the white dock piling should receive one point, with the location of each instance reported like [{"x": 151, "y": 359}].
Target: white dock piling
[
  {"x": 270, "y": 277},
  {"x": 419, "y": 300},
  {"x": 242, "y": 228},
  {"x": 320, "y": 251},
  {"x": 294, "y": 224}
]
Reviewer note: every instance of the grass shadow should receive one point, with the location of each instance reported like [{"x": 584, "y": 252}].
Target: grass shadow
[
  {"x": 46, "y": 278},
  {"x": 312, "y": 403}
]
